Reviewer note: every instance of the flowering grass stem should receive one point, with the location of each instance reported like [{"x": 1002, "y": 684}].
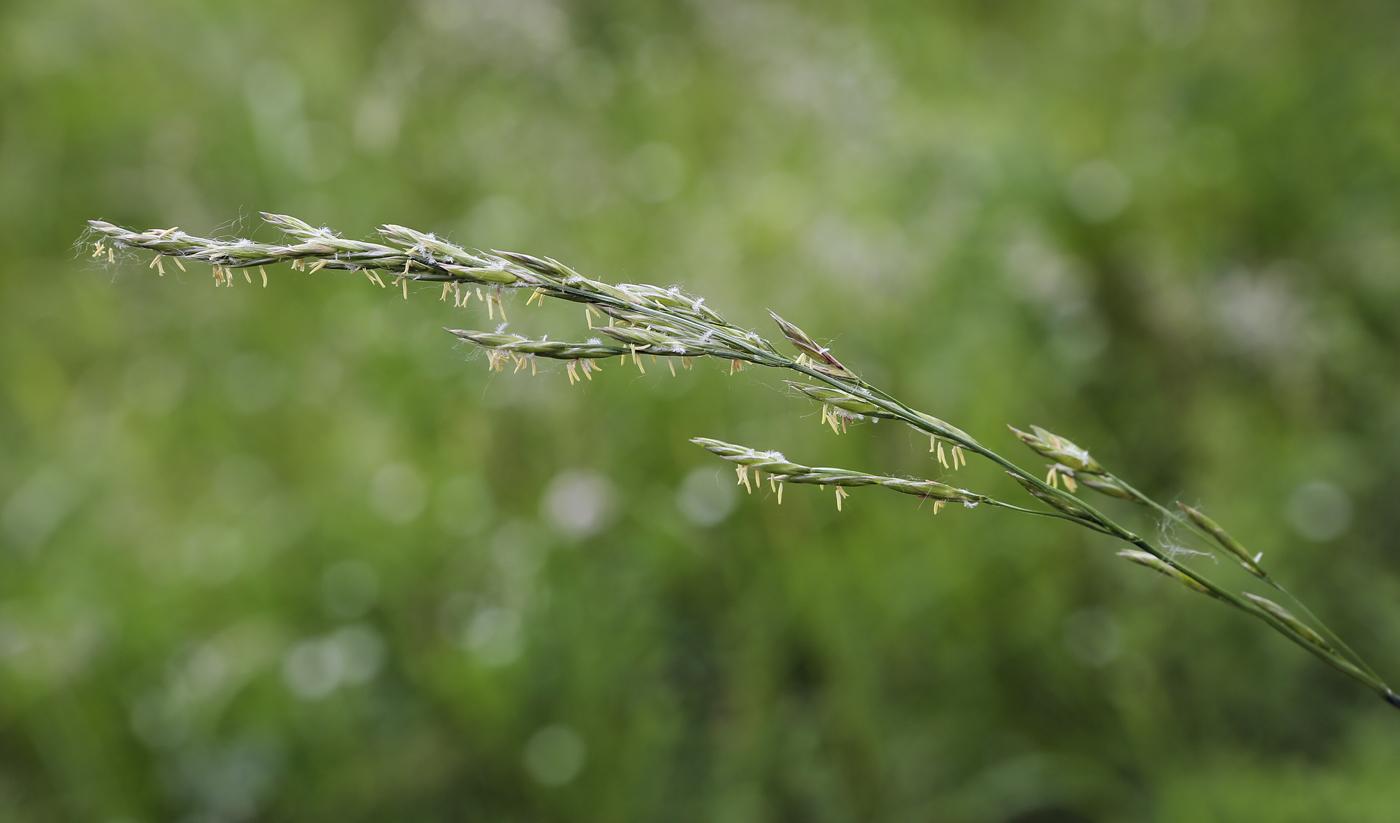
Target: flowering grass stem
[{"x": 644, "y": 319}]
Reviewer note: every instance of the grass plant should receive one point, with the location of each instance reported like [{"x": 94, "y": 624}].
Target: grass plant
[{"x": 638, "y": 324}]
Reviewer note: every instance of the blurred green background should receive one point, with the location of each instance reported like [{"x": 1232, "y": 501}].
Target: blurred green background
[{"x": 292, "y": 554}]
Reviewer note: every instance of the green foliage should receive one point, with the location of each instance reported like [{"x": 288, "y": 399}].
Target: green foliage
[{"x": 290, "y": 554}]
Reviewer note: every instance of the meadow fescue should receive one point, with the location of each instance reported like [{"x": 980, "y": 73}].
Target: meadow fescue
[{"x": 637, "y": 319}]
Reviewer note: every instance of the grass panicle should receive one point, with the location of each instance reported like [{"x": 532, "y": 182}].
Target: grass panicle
[{"x": 636, "y": 319}]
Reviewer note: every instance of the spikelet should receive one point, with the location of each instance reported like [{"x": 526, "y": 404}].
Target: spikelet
[{"x": 1225, "y": 541}]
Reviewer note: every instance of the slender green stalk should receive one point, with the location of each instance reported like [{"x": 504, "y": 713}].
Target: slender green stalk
[{"x": 642, "y": 319}]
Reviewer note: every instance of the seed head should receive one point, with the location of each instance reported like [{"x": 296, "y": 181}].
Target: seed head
[
  {"x": 820, "y": 356},
  {"x": 1058, "y": 449},
  {"x": 1286, "y": 617},
  {"x": 1157, "y": 564},
  {"x": 1064, "y": 504},
  {"x": 293, "y": 226},
  {"x": 845, "y": 401},
  {"x": 1104, "y": 484},
  {"x": 1223, "y": 538},
  {"x": 553, "y": 349}
]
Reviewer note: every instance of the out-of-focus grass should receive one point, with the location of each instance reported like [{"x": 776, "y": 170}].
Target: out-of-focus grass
[{"x": 290, "y": 553}]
